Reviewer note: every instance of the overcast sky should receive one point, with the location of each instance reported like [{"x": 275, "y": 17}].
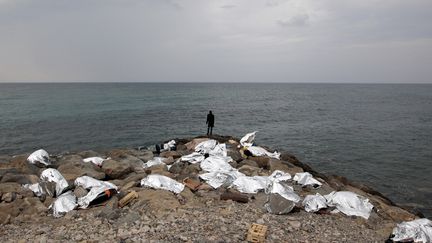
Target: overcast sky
[{"x": 216, "y": 40}]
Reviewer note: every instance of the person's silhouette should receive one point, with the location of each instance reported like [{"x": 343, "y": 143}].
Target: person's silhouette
[{"x": 210, "y": 123}]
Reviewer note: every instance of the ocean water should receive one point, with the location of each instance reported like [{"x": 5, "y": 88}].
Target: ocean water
[{"x": 378, "y": 134}]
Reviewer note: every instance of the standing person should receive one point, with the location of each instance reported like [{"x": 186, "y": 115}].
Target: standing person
[{"x": 210, "y": 122}]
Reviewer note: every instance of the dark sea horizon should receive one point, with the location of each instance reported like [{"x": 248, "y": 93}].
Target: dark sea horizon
[{"x": 376, "y": 134}]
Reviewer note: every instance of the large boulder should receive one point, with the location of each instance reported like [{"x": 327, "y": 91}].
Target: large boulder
[
  {"x": 277, "y": 204},
  {"x": 174, "y": 154},
  {"x": 235, "y": 155},
  {"x": 275, "y": 164},
  {"x": 19, "y": 178},
  {"x": 249, "y": 170},
  {"x": 262, "y": 161},
  {"x": 136, "y": 164},
  {"x": 116, "y": 169},
  {"x": 248, "y": 162},
  {"x": 20, "y": 164},
  {"x": 72, "y": 167}
]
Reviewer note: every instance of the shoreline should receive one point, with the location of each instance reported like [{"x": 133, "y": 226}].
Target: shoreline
[{"x": 383, "y": 219}]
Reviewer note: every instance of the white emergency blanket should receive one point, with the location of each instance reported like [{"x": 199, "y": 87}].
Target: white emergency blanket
[
  {"x": 96, "y": 187},
  {"x": 193, "y": 158},
  {"x": 63, "y": 204},
  {"x": 162, "y": 182},
  {"x": 217, "y": 163},
  {"x": 259, "y": 151},
  {"x": 206, "y": 146},
  {"x": 35, "y": 188},
  {"x": 350, "y": 203},
  {"x": 313, "y": 203},
  {"x": 248, "y": 139},
  {"x": 40, "y": 156},
  {"x": 154, "y": 161},
  {"x": 251, "y": 184},
  {"x": 306, "y": 179},
  {"x": 219, "y": 150},
  {"x": 419, "y": 230},
  {"x": 168, "y": 146},
  {"x": 270, "y": 184},
  {"x": 217, "y": 179},
  {"x": 95, "y": 160},
  {"x": 53, "y": 175}
]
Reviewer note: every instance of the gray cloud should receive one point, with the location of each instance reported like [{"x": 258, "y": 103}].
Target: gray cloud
[
  {"x": 146, "y": 40},
  {"x": 299, "y": 20}
]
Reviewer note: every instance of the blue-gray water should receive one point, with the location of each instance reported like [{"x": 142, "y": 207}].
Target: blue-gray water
[{"x": 377, "y": 134}]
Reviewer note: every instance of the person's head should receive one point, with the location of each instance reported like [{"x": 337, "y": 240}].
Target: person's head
[{"x": 210, "y": 112}]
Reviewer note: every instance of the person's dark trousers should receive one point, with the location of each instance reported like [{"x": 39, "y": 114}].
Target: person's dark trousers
[{"x": 210, "y": 129}]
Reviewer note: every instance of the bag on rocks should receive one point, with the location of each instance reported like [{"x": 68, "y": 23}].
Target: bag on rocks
[
  {"x": 419, "y": 230},
  {"x": 53, "y": 175},
  {"x": 306, "y": 179},
  {"x": 350, "y": 203},
  {"x": 313, "y": 203},
  {"x": 99, "y": 190},
  {"x": 193, "y": 158},
  {"x": 162, "y": 182},
  {"x": 39, "y": 158},
  {"x": 95, "y": 160},
  {"x": 248, "y": 139},
  {"x": 63, "y": 204},
  {"x": 206, "y": 146}
]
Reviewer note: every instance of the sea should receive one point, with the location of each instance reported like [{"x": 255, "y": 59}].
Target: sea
[{"x": 376, "y": 134}]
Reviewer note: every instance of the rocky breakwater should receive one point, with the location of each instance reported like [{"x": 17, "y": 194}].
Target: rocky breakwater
[{"x": 195, "y": 189}]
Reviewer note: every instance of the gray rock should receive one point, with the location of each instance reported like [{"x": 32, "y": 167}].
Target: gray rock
[
  {"x": 177, "y": 168},
  {"x": 276, "y": 204},
  {"x": 80, "y": 192},
  {"x": 249, "y": 170},
  {"x": 72, "y": 167},
  {"x": 248, "y": 162},
  {"x": 19, "y": 178},
  {"x": 116, "y": 169},
  {"x": 235, "y": 155},
  {"x": 275, "y": 164}
]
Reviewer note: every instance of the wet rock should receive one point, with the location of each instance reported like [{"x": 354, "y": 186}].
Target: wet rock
[
  {"x": 249, "y": 170},
  {"x": 8, "y": 197},
  {"x": 116, "y": 169},
  {"x": 277, "y": 204}
]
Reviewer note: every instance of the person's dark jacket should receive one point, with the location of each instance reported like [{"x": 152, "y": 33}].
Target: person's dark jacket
[{"x": 210, "y": 120}]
